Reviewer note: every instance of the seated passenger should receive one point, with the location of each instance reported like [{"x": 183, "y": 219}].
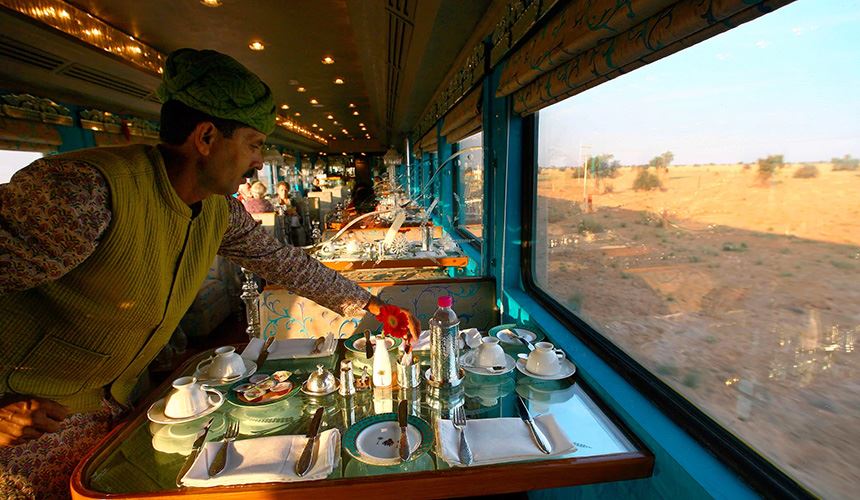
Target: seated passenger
[
  {"x": 363, "y": 198},
  {"x": 316, "y": 185},
  {"x": 283, "y": 191},
  {"x": 258, "y": 203}
]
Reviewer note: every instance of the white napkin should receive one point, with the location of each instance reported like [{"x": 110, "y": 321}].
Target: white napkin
[
  {"x": 265, "y": 460},
  {"x": 498, "y": 440},
  {"x": 471, "y": 334},
  {"x": 290, "y": 348}
]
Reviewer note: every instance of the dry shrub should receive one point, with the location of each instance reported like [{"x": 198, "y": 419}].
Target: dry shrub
[{"x": 806, "y": 172}]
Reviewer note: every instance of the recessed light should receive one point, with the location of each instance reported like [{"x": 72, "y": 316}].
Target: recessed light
[
  {"x": 297, "y": 113},
  {"x": 345, "y": 131},
  {"x": 285, "y": 106},
  {"x": 351, "y": 105},
  {"x": 330, "y": 117},
  {"x": 336, "y": 122},
  {"x": 314, "y": 125},
  {"x": 256, "y": 45},
  {"x": 360, "y": 124},
  {"x": 300, "y": 89},
  {"x": 211, "y": 3},
  {"x": 321, "y": 129},
  {"x": 355, "y": 113},
  {"x": 314, "y": 101},
  {"x": 327, "y": 60},
  {"x": 338, "y": 81}
]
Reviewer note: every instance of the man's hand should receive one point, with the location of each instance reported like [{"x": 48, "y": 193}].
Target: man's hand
[
  {"x": 374, "y": 306},
  {"x": 24, "y": 418}
]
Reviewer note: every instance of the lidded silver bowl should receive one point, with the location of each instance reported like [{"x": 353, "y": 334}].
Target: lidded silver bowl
[{"x": 321, "y": 381}]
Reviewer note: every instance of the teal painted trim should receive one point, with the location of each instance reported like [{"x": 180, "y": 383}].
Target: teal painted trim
[
  {"x": 683, "y": 468},
  {"x": 445, "y": 185}
]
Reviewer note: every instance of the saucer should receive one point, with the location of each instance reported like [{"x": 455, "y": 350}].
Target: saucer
[
  {"x": 505, "y": 338},
  {"x": 357, "y": 341},
  {"x": 566, "y": 370},
  {"x": 155, "y": 413},
  {"x": 326, "y": 393},
  {"x": 204, "y": 378},
  {"x": 467, "y": 360}
]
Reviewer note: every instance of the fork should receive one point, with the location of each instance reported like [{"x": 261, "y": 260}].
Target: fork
[
  {"x": 459, "y": 421},
  {"x": 220, "y": 460}
]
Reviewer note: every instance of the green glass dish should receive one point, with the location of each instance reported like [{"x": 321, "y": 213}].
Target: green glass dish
[{"x": 233, "y": 396}]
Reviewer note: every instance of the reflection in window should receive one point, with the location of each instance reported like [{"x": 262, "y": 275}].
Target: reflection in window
[
  {"x": 469, "y": 195},
  {"x": 701, "y": 213}
]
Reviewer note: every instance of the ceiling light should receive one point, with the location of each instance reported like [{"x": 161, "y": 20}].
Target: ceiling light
[
  {"x": 351, "y": 105},
  {"x": 344, "y": 153},
  {"x": 314, "y": 101},
  {"x": 338, "y": 81},
  {"x": 314, "y": 125},
  {"x": 321, "y": 129},
  {"x": 298, "y": 114},
  {"x": 211, "y": 3},
  {"x": 300, "y": 89},
  {"x": 355, "y": 113},
  {"x": 360, "y": 124},
  {"x": 327, "y": 60},
  {"x": 336, "y": 122},
  {"x": 285, "y": 106},
  {"x": 345, "y": 131},
  {"x": 256, "y": 45},
  {"x": 330, "y": 117}
]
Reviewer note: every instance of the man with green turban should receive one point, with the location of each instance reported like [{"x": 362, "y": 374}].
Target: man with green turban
[{"x": 107, "y": 248}]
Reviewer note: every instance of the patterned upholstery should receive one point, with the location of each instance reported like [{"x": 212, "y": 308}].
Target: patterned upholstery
[{"x": 287, "y": 315}]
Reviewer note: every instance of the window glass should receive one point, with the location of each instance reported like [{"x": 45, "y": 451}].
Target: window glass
[
  {"x": 13, "y": 161},
  {"x": 469, "y": 181},
  {"x": 702, "y": 213}
]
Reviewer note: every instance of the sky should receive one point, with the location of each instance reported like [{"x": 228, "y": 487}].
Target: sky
[{"x": 786, "y": 83}]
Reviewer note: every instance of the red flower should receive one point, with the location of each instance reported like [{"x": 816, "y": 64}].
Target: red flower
[{"x": 394, "y": 321}]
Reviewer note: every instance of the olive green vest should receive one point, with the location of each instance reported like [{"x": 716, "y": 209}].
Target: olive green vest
[{"x": 102, "y": 323}]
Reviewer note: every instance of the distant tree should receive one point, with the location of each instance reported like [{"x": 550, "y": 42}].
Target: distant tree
[
  {"x": 845, "y": 163},
  {"x": 768, "y": 166},
  {"x": 662, "y": 161},
  {"x": 603, "y": 166}
]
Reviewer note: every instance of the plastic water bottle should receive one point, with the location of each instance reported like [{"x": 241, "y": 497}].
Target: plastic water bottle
[{"x": 444, "y": 349}]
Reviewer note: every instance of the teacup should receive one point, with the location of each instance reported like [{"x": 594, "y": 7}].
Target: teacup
[
  {"x": 187, "y": 399},
  {"x": 470, "y": 337},
  {"x": 490, "y": 353},
  {"x": 545, "y": 360},
  {"x": 226, "y": 363}
]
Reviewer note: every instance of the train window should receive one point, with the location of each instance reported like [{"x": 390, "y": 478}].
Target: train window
[
  {"x": 469, "y": 186},
  {"x": 13, "y": 161},
  {"x": 701, "y": 214}
]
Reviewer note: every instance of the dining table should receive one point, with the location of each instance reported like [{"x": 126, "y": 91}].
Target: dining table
[
  {"x": 413, "y": 257},
  {"x": 141, "y": 459}
]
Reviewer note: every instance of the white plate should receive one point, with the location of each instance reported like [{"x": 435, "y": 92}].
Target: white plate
[
  {"x": 155, "y": 413},
  {"x": 567, "y": 369},
  {"x": 467, "y": 360},
  {"x": 379, "y": 444},
  {"x": 204, "y": 378},
  {"x": 505, "y": 337}
]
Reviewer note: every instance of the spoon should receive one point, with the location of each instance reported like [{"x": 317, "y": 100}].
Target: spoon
[{"x": 514, "y": 335}]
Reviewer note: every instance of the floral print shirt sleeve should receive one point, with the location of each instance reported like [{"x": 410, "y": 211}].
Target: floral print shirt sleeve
[
  {"x": 52, "y": 214},
  {"x": 251, "y": 246}
]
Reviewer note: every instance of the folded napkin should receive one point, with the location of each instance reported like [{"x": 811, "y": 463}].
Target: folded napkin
[
  {"x": 290, "y": 348},
  {"x": 472, "y": 336},
  {"x": 265, "y": 460},
  {"x": 498, "y": 440}
]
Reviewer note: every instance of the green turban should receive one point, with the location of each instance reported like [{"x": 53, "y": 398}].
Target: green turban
[{"x": 218, "y": 85}]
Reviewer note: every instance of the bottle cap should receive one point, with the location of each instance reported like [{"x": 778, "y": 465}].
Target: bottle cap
[{"x": 445, "y": 301}]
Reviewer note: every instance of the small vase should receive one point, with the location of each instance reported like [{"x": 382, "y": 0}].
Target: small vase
[{"x": 381, "y": 364}]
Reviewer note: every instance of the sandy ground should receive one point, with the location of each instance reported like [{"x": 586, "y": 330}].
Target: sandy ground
[{"x": 742, "y": 295}]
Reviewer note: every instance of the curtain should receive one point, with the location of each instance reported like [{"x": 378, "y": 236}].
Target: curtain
[
  {"x": 25, "y": 135},
  {"x": 588, "y": 43},
  {"x": 428, "y": 142},
  {"x": 465, "y": 112}
]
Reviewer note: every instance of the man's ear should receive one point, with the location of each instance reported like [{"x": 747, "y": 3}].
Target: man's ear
[{"x": 202, "y": 137}]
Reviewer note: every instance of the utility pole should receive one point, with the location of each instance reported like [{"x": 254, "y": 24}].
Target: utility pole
[{"x": 584, "y": 163}]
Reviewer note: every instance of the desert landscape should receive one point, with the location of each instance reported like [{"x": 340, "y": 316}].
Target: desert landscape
[{"x": 740, "y": 290}]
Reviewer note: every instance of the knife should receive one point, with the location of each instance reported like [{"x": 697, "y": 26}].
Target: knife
[
  {"x": 318, "y": 343},
  {"x": 195, "y": 450},
  {"x": 264, "y": 352},
  {"x": 402, "y": 414},
  {"x": 539, "y": 439},
  {"x": 368, "y": 348},
  {"x": 304, "y": 463}
]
